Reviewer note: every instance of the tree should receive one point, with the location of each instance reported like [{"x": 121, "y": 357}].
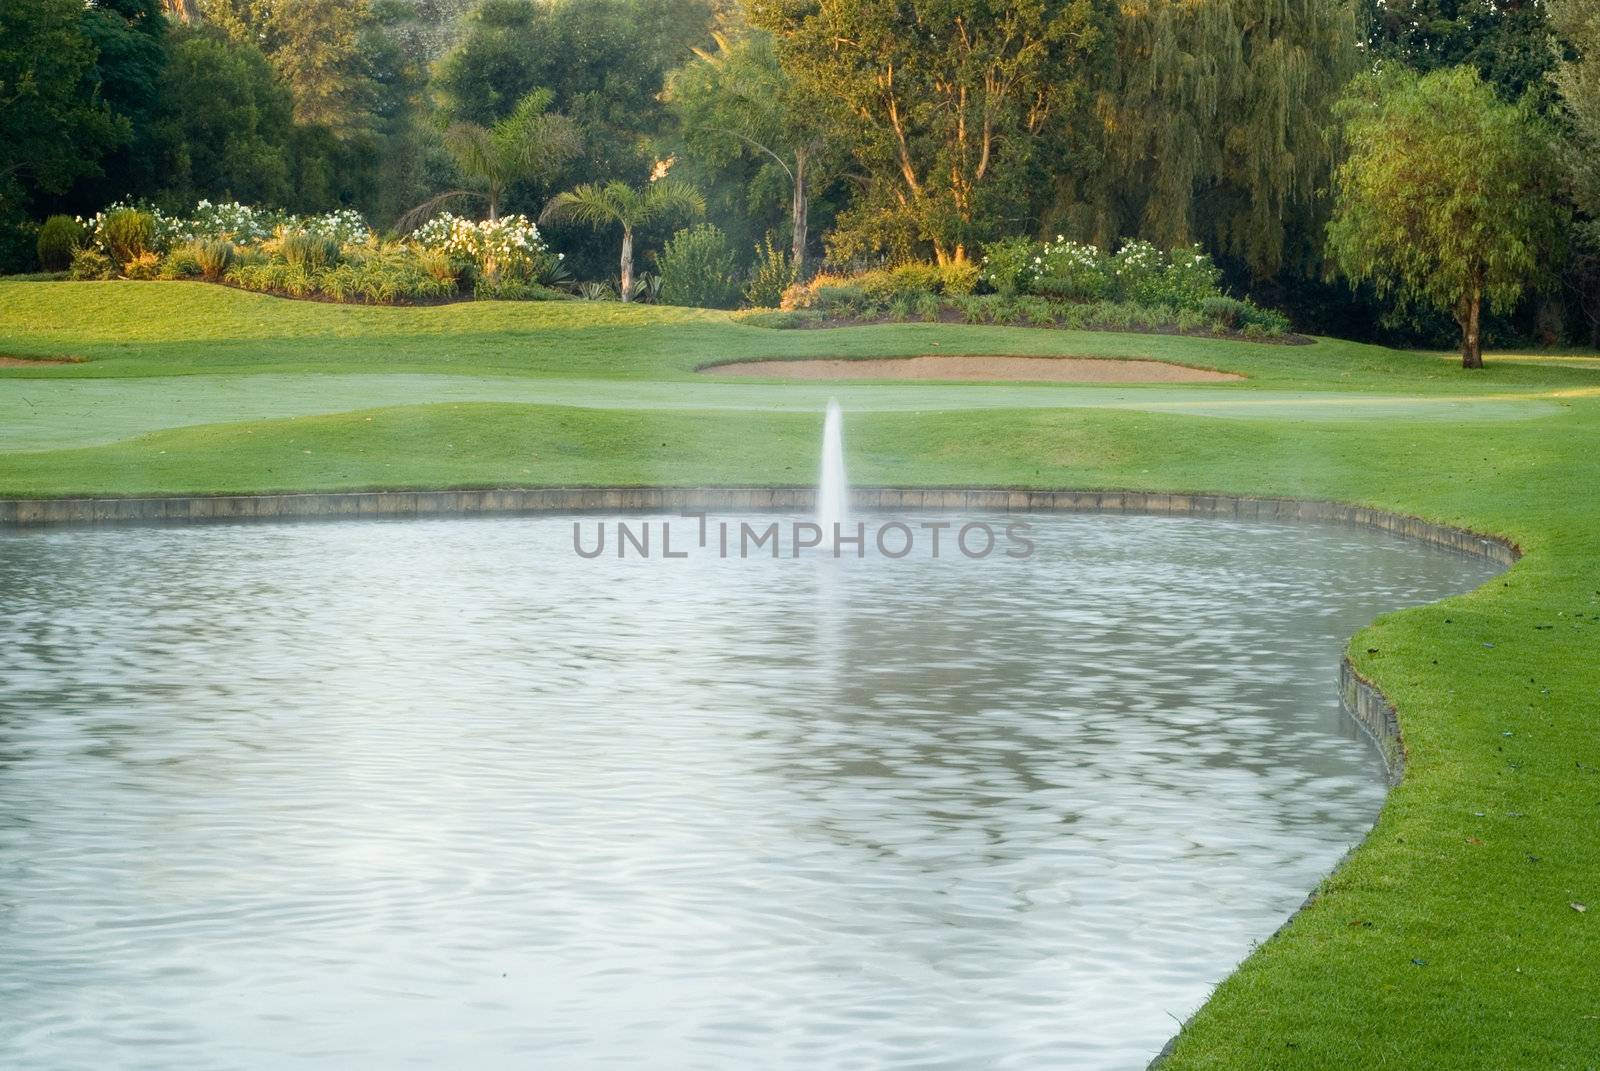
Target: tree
[
  {"x": 184, "y": 11},
  {"x": 527, "y": 144},
  {"x": 314, "y": 46},
  {"x": 1446, "y": 197},
  {"x": 1578, "y": 81},
  {"x": 1213, "y": 127},
  {"x": 617, "y": 203},
  {"x": 946, "y": 102},
  {"x": 605, "y": 61},
  {"x": 1508, "y": 41},
  {"x": 130, "y": 38},
  {"x": 227, "y": 125},
  {"x": 737, "y": 101},
  {"x": 54, "y": 125}
]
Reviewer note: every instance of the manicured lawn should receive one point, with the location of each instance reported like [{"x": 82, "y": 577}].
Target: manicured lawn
[{"x": 1448, "y": 940}]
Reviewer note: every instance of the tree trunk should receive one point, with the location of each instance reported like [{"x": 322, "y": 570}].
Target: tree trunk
[
  {"x": 494, "y": 205},
  {"x": 1471, "y": 313},
  {"x": 185, "y": 11},
  {"x": 800, "y": 208},
  {"x": 627, "y": 264}
]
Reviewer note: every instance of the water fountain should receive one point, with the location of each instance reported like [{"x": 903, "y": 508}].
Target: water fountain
[{"x": 833, "y": 490}]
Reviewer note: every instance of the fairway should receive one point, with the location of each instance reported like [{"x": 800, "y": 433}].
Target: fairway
[
  {"x": 45, "y": 414},
  {"x": 1456, "y": 910}
]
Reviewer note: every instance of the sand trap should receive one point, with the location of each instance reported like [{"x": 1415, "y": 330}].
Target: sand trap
[
  {"x": 934, "y": 366},
  {"x": 28, "y": 362}
]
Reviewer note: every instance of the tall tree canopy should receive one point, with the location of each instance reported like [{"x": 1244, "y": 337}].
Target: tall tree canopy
[
  {"x": 1507, "y": 41},
  {"x": 946, "y": 104},
  {"x": 605, "y": 61},
  {"x": 1578, "y": 81},
  {"x": 227, "y": 124},
  {"x": 54, "y": 124},
  {"x": 1447, "y": 197},
  {"x": 314, "y": 46}
]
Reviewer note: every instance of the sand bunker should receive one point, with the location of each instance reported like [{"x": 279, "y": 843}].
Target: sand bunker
[
  {"x": 935, "y": 366},
  {"x": 29, "y": 362}
]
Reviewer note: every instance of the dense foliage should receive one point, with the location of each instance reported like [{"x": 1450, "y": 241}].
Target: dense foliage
[
  {"x": 853, "y": 133},
  {"x": 1446, "y": 197}
]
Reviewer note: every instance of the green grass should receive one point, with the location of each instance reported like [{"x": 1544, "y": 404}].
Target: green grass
[{"x": 1447, "y": 940}]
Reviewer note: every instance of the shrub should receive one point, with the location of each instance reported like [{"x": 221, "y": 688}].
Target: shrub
[
  {"x": 596, "y": 292},
  {"x": 1071, "y": 271},
  {"x": 1010, "y": 265},
  {"x": 345, "y": 226},
  {"x": 1189, "y": 279},
  {"x": 1223, "y": 311},
  {"x": 128, "y": 234},
  {"x": 772, "y": 274},
  {"x": 840, "y": 298},
  {"x": 777, "y": 319},
  {"x": 512, "y": 246},
  {"x": 261, "y": 275},
  {"x": 516, "y": 290},
  {"x": 143, "y": 266},
  {"x": 886, "y": 284},
  {"x": 1035, "y": 312},
  {"x": 696, "y": 267},
  {"x": 438, "y": 265},
  {"x": 213, "y": 258},
  {"x": 1136, "y": 273},
  {"x": 181, "y": 262},
  {"x": 1271, "y": 321},
  {"x": 309, "y": 253},
  {"x": 230, "y": 221},
  {"x": 957, "y": 280},
  {"x": 59, "y": 238},
  {"x": 90, "y": 263}
]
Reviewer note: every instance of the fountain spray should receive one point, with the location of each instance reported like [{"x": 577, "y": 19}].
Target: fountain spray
[{"x": 833, "y": 490}]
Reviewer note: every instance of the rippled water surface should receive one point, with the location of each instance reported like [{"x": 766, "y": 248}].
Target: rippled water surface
[{"x": 441, "y": 793}]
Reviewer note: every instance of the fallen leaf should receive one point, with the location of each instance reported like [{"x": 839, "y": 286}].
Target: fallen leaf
[{"x": 1579, "y": 908}]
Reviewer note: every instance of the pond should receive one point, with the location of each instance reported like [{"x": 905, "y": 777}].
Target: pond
[{"x": 445, "y": 793}]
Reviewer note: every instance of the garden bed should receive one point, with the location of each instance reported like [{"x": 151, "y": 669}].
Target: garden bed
[{"x": 807, "y": 319}]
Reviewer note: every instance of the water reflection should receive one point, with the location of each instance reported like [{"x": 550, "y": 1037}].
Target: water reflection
[{"x": 442, "y": 793}]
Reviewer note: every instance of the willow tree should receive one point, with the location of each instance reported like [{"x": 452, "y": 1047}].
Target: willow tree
[
  {"x": 945, "y": 103},
  {"x": 1215, "y": 125},
  {"x": 1447, "y": 197}
]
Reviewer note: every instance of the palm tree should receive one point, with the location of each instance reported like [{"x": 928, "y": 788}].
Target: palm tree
[
  {"x": 617, "y": 202},
  {"x": 530, "y": 143}
]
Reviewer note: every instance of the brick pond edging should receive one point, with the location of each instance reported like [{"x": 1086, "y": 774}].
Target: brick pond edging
[{"x": 31, "y": 512}]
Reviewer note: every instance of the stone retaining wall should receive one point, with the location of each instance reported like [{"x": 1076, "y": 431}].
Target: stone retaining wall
[{"x": 25, "y": 512}]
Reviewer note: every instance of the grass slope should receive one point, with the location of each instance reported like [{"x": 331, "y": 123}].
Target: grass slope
[{"x": 1449, "y": 938}]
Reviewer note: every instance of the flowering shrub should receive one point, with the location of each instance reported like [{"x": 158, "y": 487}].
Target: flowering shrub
[
  {"x": 345, "y": 225},
  {"x": 1010, "y": 266},
  {"x": 228, "y": 222},
  {"x": 1139, "y": 273},
  {"x": 509, "y": 246},
  {"x": 164, "y": 229}
]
